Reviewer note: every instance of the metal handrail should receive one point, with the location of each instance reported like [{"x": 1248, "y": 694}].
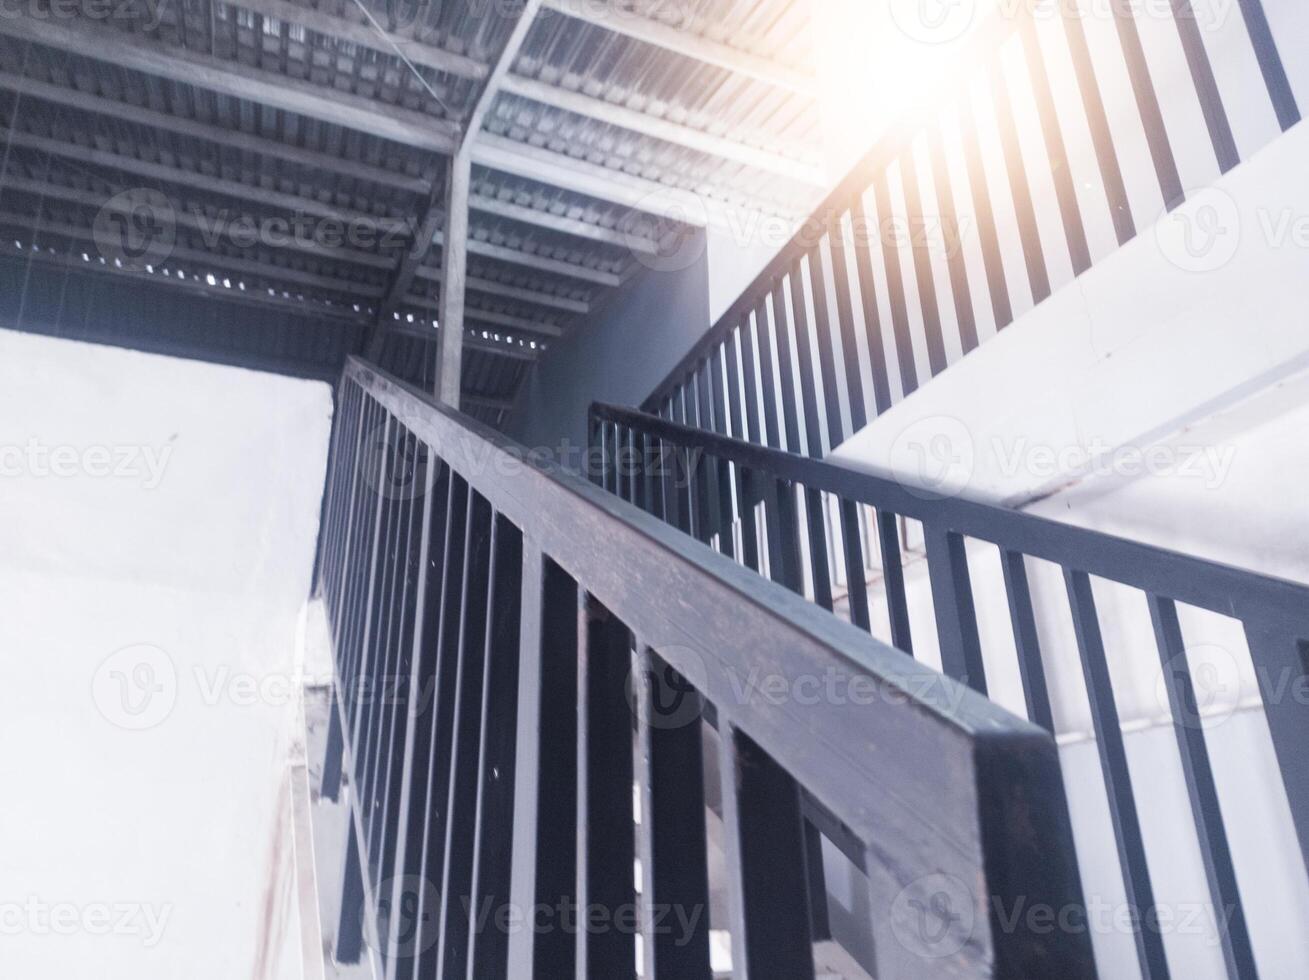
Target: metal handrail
[
  {"x": 713, "y": 486},
  {"x": 541, "y": 614}
]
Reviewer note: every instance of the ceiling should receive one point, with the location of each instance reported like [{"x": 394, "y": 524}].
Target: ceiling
[{"x": 295, "y": 151}]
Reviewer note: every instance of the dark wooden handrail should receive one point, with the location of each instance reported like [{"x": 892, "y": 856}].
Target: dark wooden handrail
[
  {"x": 714, "y": 487},
  {"x": 551, "y": 623}
]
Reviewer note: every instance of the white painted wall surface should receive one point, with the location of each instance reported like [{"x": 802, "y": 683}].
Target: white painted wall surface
[
  {"x": 147, "y": 630},
  {"x": 1165, "y": 397}
]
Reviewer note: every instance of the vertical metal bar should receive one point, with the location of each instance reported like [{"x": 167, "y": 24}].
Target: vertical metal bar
[
  {"x": 529, "y": 762},
  {"x": 726, "y": 544},
  {"x": 673, "y": 853},
  {"x": 856, "y": 579},
  {"x": 952, "y": 598},
  {"x": 753, "y": 432},
  {"x": 606, "y": 833},
  {"x": 1206, "y": 86},
  {"x": 1203, "y": 792},
  {"x": 747, "y": 497},
  {"x": 732, "y": 359},
  {"x": 805, "y": 361},
  {"x": 461, "y": 806},
  {"x": 826, "y": 348},
  {"x": 929, "y": 307},
  {"x": 818, "y": 567},
  {"x": 952, "y": 242},
  {"x": 992, "y": 258},
  {"x": 1117, "y": 778},
  {"x": 1106, "y": 156},
  {"x": 456, "y": 560},
  {"x": 783, "y": 535},
  {"x": 1281, "y": 662},
  {"x": 706, "y": 476},
  {"x": 897, "y": 603},
  {"x": 774, "y": 934},
  {"x": 335, "y": 756},
  {"x": 555, "y": 951},
  {"x": 1026, "y": 641},
  {"x": 854, "y": 382},
  {"x": 1020, "y": 189},
  {"x": 1147, "y": 103},
  {"x": 785, "y": 366},
  {"x": 820, "y": 926},
  {"x": 406, "y": 936},
  {"x": 1270, "y": 63},
  {"x": 904, "y": 349},
  {"x": 494, "y": 818},
  {"x": 767, "y": 386},
  {"x": 1066, "y": 194},
  {"x": 350, "y": 925},
  {"x": 863, "y": 230}
]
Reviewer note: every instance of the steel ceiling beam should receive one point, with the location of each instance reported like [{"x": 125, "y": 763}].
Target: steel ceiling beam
[
  {"x": 592, "y": 180},
  {"x": 506, "y": 320},
  {"x": 555, "y": 267},
  {"x": 665, "y": 130},
  {"x": 535, "y": 297},
  {"x": 186, "y": 219},
  {"x": 212, "y": 261},
  {"x": 204, "y": 182},
  {"x": 561, "y": 224},
  {"x": 368, "y": 36},
  {"x": 705, "y": 50},
  {"x": 235, "y": 139},
  {"x": 239, "y": 81}
]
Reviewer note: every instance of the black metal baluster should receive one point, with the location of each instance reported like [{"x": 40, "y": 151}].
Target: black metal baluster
[
  {"x": 805, "y": 362},
  {"x": 1026, "y": 642},
  {"x": 1117, "y": 777},
  {"x": 952, "y": 599},
  {"x": 606, "y": 833},
  {"x": 856, "y": 578},
  {"x": 1202, "y": 790}
]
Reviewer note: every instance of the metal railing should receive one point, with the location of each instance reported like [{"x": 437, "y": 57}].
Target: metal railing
[
  {"x": 516, "y": 650},
  {"x": 795, "y": 519},
  {"x": 1060, "y": 131}
]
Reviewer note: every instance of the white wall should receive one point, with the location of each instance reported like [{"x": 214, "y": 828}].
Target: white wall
[
  {"x": 143, "y": 613},
  {"x": 1164, "y": 397}
]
